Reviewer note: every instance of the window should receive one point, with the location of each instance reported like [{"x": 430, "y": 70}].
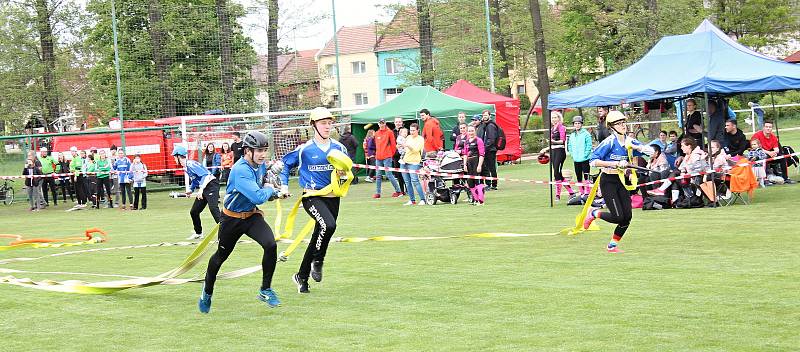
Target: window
[
  {"x": 520, "y": 89},
  {"x": 330, "y": 70},
  {"x": 393, "y": 66},
  {"x": 391, "y": 93},
  {"x": 361, "y": 98},
  {"x": 359, "y": 67}
]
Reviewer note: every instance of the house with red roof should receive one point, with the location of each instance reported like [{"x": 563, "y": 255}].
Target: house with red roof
[
  {"x": 298, "y": 80},
  {"x": 357, "y": 69},
  {"x": 397, "y": 52}
]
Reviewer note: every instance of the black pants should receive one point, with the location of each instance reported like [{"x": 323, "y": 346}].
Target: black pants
[
  {"x": 104, "y": 183},
  {"x": 489, "y": 168},
  {"x": 80, "y": 189},
  {"x": 397, "y": 174},
  {"x": 230, "y": 230},
  {"x": 66, "y": 188},
  {"x": 618, "y": 202},
  {"x": 557, "y": 157},
  {"x": 472, "y": 169},
  {"x": 125, "y": 188},
  {"x": 371, "y": 172},
  {"x": 90, "y": 185},
  {"x": 136, "y": 192},
  {"x": 210, "y": 198},
  {"x": 49, "y": 183},
  {"x": 582, "y": 170},
  {"x": 324, "y": 210}
]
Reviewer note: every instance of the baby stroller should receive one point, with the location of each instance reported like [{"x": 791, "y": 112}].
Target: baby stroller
[{"x": 448, "y": 162}]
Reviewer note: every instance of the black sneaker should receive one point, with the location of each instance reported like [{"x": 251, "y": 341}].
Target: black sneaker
[
  {"x": 302, "y": 284},
  {"x": 316, "y": 270}
]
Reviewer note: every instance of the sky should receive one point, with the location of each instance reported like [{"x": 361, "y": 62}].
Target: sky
[{"x": 313, "y": 36}]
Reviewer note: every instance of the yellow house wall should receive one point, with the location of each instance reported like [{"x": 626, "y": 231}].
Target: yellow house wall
[{"x": 366, "y": 82}]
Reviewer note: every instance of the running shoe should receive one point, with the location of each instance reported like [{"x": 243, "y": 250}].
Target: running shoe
[
  {"x": 589, "y": 218},
  {"x": 302, "y": 284},
  {"x": 614, "y": 249},
  {"x": 270, "y": 297},
  {"x": 195, "y": 236},
  {"x": 397, "y": 194},
  {"x": 316, "y": 270},
  {"x": 205, "y": 301}
]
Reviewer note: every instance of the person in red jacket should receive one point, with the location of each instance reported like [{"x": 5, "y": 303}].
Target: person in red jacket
[
  {"x": 771, "y": 145},
  {"x": 385, "y": 146},
  {"x": 431, "y": 132}
]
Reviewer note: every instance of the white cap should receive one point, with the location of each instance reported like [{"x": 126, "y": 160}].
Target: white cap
[
  {"x": 73, "y": 149},
  {"x": 43, "y": 149}
]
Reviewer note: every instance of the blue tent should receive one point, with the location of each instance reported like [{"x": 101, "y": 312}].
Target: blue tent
[{"x": 706, "y": 61}]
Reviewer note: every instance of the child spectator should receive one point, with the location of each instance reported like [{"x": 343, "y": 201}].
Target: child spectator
[
  {"x": 227, "y": 161},
  {"x": 123, "y": 167},
  {"x": 90, "y": 172},
  {"x": 755, "y": 154},
  {"x": 401, "y": 141},
  {"x": 103, "y": 168},
  {"x": 63, "y": 178},
  {"x": 32, "y": 183},
  {"x": 139, "y": 171},
  {"x": 369, "y": 153},
  {"x": 579, "y": 145}
]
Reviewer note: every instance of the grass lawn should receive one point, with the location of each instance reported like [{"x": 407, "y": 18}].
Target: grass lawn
[{"x": 701, "y": 280}]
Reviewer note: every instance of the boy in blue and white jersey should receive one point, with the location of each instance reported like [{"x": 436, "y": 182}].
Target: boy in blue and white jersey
[
  {"x": 245, "y": 190},
  {"x": 314, "y": 170},
  {"x": 205, "y": 187}
]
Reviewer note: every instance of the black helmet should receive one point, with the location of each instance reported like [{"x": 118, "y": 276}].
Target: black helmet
[{"x": 255, "y": 140}]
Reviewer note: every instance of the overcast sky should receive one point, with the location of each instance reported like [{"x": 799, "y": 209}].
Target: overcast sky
[{"x": 348, "y": 13}]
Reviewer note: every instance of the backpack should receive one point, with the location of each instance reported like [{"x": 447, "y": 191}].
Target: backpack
[
  {"x": 501, "y": 137},
  {"x": 792, "y": 160}
]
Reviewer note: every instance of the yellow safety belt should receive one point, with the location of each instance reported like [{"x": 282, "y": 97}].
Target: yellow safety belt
[
  {"x": 632, "y": 181},
  {"x": 337, "y": 188}
]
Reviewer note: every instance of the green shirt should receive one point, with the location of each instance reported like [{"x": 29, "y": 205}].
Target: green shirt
[
  {"x": 76, "y": 164},
  {"x": 103, "y": 167},
  {"x": 47, "y": 164},
  {"x": 90, "y": 166}
]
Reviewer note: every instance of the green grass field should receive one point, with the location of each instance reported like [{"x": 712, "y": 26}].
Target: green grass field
[{"x": 691, "y": 280}]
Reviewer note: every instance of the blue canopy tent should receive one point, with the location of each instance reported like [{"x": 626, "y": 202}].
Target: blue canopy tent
[{"x": 706, "y": 61}]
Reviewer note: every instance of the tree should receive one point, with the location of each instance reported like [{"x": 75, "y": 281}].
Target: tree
[
  {"x": 542, "y": 79},
  {"x": 426, "y": 41},
  {"x": 161, "y": 60},
  {"x": 192, "y": 58},
  {"x": 498, "y": 43},
  {"x": 48, "y": 56},
  {"x": 756, "y": 23},
  {"x": 225, "y": 49},
  {"x": 272, "y": 55}
]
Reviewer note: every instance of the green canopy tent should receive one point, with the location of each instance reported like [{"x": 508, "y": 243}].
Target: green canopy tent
[{"x": 408, "y": 104}]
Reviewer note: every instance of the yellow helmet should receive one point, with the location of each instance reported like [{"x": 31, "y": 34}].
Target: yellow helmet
[
  {"x": 614, "y": 116},
  {"x": 319, "y": 113}
]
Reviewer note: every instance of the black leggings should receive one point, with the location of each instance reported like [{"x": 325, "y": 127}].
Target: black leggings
[
  {"x": 104, "y": 183},
  {"x": 618, "y": 202},
  {"x": 210, "y": 198},
  {"x": 230, "y": 230},
  {"x": 80, "y": 189},
  {"x": 324, "y": 210},
  {"x": 557, "y": 157},
  {"x": 48, "y": 183},
  {"x": 582, "y": 170},
  {"x": 489, "y": 168},
  {"x": 136, "y": 192},
  {"x": 472, "y": 169}
]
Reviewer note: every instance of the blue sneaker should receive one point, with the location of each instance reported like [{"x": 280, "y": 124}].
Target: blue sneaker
[
  {"x": 205, "y": 301},
  {"x": 270, "y": 297}
]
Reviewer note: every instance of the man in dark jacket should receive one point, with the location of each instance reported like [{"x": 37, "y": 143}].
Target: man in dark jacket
[
  {"x": 737, "y": 143},
  {"x": 488, "y": 132},
  {"x": 398, "y": 124},
  {"x": 351, "y": 145},
  {"x": 462, "y": 118},
  {"x": 602, "y": 131},
  {"x": 236, "y": 147}
]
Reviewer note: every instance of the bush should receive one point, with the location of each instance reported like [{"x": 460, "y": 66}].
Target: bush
[{"x": 524, "y": 103}]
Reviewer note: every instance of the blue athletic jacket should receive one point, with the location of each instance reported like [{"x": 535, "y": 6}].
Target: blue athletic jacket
[{"x": 244, "y": 189}]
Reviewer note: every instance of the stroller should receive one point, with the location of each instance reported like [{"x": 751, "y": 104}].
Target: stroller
[{"x": 436, "y": 189}]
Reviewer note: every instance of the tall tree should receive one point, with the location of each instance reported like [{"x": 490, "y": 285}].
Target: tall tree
[
  {"x": 499, "y": 44},
  {"x": 425, "y": 41},
  {"x": 225, "y": 49},
  {"x": 272, "y": 56},
  {"x": 161, "y": 60},
  {"x": 757, "y": 23},
  {"x": 48, "y": 57},
  {"x": 542, "y": 78}
]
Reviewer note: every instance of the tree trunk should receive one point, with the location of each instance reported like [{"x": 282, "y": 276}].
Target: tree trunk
[
  {"x": 51, "y": 109},
  {"x": 225, "y": 51},
  {"x": 542, "y": 79},
  {"x": 653, "y": 36},
  {"x": 272, "y": 56},
  {"x": 499, "y": 45},
  {"x": 162, "y": 61},
  {"x": 425, "y": 42}
]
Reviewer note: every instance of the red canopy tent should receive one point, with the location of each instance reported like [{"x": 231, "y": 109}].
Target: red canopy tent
[{"x": 507, "y": 114}]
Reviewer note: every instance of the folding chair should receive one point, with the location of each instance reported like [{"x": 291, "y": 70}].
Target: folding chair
[{"x": 741, "y": 179}]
